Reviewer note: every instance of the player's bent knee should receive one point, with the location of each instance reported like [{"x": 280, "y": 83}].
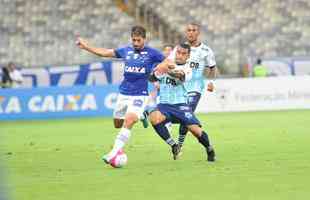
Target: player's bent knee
[
  {"x": 195, "y": 130},
  {"x": 156, "y": 117},
  {"x": 130, "y": 120}
]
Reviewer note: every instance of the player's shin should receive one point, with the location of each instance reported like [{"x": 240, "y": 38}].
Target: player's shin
[
  {"x": 163, "y": 132},
  {"x": 182, "y": 134},
  {"x": 204, "y": 140},
  {"x": 120, "y": 141}
]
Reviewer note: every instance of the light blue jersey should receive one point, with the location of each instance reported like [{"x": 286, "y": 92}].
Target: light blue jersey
[
  {"x": 201, "y": 57},
  {"x": 173, "y": 91}
]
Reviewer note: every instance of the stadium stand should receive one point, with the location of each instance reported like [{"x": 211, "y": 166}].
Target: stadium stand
[
  {"x": 36, "y": 33},
  {"x": 237, "y": 29}
]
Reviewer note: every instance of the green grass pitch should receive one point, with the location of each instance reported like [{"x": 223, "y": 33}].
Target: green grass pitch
[{"x": 261, "y": 156}]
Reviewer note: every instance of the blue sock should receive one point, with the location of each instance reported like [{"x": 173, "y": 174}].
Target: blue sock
[{"x": 163, "y": 132}]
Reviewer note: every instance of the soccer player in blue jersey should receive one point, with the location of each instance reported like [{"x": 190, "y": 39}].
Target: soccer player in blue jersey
[
  {"x": 173, "y": 105},
  {"x": 203, "y": 64},
  {"x": 133, "y": 91}
]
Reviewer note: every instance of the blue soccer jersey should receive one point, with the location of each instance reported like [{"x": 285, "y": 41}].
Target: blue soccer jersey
[{"x": 138, "y": 66}]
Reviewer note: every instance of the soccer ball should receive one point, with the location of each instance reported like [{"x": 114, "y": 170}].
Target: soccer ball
[{"x": 119, "y": 160}]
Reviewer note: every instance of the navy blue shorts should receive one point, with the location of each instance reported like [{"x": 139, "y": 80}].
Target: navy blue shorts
[
  {"x": 178, "y": 113},
  {"x": 193, "y": 100}
]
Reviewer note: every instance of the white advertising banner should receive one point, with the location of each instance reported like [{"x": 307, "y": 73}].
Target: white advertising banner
[{"x": 254, "y": 94}]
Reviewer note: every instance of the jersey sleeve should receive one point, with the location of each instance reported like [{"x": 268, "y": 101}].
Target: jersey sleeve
[
  {"x": 120, "y": 52},
  {"x": 156, "y": 59},
  {"x": 210, "y": 59}
]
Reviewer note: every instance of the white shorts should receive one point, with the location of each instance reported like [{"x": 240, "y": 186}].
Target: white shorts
[{"x": 129, "y": 104}]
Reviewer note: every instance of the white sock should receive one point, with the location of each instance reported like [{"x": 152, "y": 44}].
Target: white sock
[{"x": 120, "y": 141}]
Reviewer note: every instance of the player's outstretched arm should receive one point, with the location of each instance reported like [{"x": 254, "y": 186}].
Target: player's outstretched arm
[{"x": 103, "y": 52}]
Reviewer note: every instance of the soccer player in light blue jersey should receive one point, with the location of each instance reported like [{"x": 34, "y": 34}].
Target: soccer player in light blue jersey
[
  {"x": 173, "y": 105},
  {"x": 203, "y": 64},
  {"x": 133, "y": 91},
  {"x": 154, "y": 87}
]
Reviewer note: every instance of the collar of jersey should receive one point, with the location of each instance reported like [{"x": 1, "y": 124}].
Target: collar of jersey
[{"x": 138, "y": 51}]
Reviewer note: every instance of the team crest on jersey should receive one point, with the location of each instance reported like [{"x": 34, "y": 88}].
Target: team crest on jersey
[{"x": 188, "y": 115}]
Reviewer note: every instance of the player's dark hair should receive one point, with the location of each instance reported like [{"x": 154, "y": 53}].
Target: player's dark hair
[
  {"x": 138, "y": 31},
  {"x": 186, "y": 46}
]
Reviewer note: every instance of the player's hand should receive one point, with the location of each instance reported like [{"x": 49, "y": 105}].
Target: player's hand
[
  {"x": 81, "y": 43},
  {"x": 179, "y": 74},
  {"x": 170, "y": 64},
  {"x": 210, "y": 86},
  {"x": 156, "y": 85},
  {"x": 164, "y": 67}
]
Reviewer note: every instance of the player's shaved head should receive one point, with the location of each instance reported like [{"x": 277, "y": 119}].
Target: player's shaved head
[
  {"x": 194, "y": 24},
  {"x": 186, "y": 46},
  {"x": 182, "y": 53},
  {"x": 192, "y": 33}
]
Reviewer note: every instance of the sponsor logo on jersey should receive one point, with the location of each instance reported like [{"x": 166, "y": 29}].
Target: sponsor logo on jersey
[
  {"x": 133, "y": 69},
  {"x": 194, "y": 65},
  {"x": 170, "y": 81}
]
